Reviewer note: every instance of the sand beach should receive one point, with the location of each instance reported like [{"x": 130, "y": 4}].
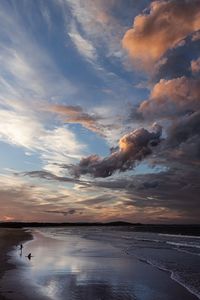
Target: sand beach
[{"x": 79, "y": 264}]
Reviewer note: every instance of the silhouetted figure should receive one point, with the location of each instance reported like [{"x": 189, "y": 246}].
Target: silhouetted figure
[
  {"x": 21, "y": 248},
  {"x": 29, "y": 256}
]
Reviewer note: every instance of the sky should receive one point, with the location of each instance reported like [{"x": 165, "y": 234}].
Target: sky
[{"x": 100, "y": 110}]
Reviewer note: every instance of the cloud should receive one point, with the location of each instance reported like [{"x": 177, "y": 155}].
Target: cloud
[
  {"x": 7, "y": 218},
  {"x": 175, "y": 103},
  {"x": 49, "y": 176},
  {"x": 76, "y": 115},
  {"x": 29, "y": 79},
  {"x": 184, "y": 139},
  {"x": 195, "y": 66},
  {"x": 163, "y": 28},
  {"x": 133, "y": 147},
  {"x": 173, "y": 189},
  {"x": 101, "y": 120},
  {"x": 97, "y": 200},
  {"x": 84, "y": 46},
  {"x": 161, "y": 195},
  {"x": 28, "y": 198},
  {"x": 176, "y": 62},
  {"x": 24, "y": 129},
  {"x": 71, "y": 211},
  {"x": 99, "y": 30},
  {"x": 27, "y": 69},
  {"x": 196, "y": 36},
  {"x": 170, "y": 98},
  {"x": 164, "y": 194}
]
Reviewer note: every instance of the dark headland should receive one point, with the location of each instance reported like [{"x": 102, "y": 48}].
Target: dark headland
[{"x": 183, "y": 229}]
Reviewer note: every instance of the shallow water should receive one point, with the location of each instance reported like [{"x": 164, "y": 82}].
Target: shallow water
[{"x": 101, "y": 264}]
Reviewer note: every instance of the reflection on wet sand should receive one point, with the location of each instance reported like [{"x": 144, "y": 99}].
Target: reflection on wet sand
[
  {"x": 70, "y": 288},
  {"x": 83, "y": 269}
]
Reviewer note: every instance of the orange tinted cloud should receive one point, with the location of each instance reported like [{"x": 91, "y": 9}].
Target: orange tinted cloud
[
  {"x": 75, "y": 114},
  {"x": 7, "y": 218},
  {"x": 172, "y": 97},
  {"x": 167, "y": 23},
  {"x": 66, "y": 110},
  {"x": 195, "y": 66}
]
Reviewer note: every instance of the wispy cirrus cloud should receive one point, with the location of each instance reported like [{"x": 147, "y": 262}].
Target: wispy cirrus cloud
[
  {"x": 30, "y": 79},
  {"x": 27, "y": 69},
  {"x": 27, "y": 131},
  {"x": 99, "y": 25},
  {"x": 25, "y": 200},
  {"x": 83, "y": 45}
]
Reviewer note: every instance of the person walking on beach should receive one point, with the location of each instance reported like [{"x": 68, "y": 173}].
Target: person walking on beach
[{"x": 21, "y": 248}]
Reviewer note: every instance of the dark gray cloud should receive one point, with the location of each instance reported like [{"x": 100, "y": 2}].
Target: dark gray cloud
[
  {"x": 176, "y": 190},
  {"x": 97, "y": 200},
  {"x": 184, "y": 128},
  {"x": 133, "y": 147},
  {"x": 175, "y": 102},
  {"x": 183, "y": 142},
  {"x": 71, "y": 211},
  {"x": 49, "y": 176},
  {"x": 177, "y": 61}
]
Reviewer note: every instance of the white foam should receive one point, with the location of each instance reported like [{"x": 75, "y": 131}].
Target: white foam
[
  {"x": 180, "y": 236},
  {"x": 183, "y": 244},
  {"x": 173, "y": 276},
  {"x": 176, "y": 278}
]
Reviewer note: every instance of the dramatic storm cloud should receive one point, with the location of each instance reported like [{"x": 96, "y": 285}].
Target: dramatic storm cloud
[{"x": 133, "y": 147}]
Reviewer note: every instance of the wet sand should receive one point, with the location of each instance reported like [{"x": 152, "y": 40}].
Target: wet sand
[
  {"x": 9, "y": 238},
  {"x": 83, "y": 269}
]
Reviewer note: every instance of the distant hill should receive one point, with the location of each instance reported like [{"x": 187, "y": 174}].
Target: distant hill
[
  {"x": 48, "y": 224},
  {"x": 184, "y": 229}
]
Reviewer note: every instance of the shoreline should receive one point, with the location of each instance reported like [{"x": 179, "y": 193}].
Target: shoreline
[
  {"x": 172, "y": 276},
  {"x": 10, "y": 238},
  {"x": 172, "y": 229}
]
